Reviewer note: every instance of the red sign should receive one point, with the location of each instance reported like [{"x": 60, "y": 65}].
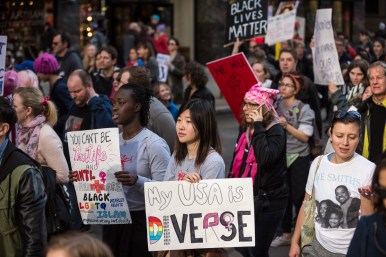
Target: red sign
[{"x": 234, "y": 77}]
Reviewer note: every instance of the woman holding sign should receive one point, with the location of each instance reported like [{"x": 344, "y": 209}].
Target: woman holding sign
[
  {"x": 261, "y": 154},
  {"x": 144, "y": 158},
  {"x": 196, "y": 155}
]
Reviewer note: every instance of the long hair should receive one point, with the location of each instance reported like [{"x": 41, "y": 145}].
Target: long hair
[
  {"x": 363, "y": 65},
  {"x": 33, "y": 97},
  {"x": 142, "y": 96},
  {"x": 377, "y": 200},
  {"x": 202, "y": 116}
]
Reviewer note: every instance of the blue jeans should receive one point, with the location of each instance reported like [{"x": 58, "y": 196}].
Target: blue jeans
[{"x": 265, "y": 227}]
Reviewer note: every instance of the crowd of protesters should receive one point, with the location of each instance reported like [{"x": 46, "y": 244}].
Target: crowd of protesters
[{"x": 169, "y": 131}]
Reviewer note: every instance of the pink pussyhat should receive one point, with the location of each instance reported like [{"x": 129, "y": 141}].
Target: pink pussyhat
[{"x": 261, "y": 95}]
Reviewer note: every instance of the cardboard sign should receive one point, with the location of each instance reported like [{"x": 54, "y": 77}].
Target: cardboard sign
[
  {"x": 95, "y": 157},
  {"x": 234, "y": 77},
  {"x": 246, "y": 19},
  {"x": 163, "y": 60},
  {"x": 325, "y": 55},
  {"x": 210, "y": 214},
  {"x": 3, "y": 53}
]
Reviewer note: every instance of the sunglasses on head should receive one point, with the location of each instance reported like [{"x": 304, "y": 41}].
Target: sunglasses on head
[
  {"x": 341, "y": 114},
  {"x": 381, "y": 191}
]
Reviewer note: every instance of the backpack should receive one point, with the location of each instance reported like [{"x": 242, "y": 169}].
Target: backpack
[
  {"x": 58, "y": 216},
  {"x": 315, "y": 141}
]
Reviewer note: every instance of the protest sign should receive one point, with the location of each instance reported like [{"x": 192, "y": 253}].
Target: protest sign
[
  {"x": 325, "y": 55},
  {"x": 210, "y": 214},
  {"x": 246, "y": 19},
  {"x": 282, "y": 26},
  {"x": 95, "y": 157},
  {"x": 234, "y": 77},
  {"x": 3, "y": 53},
  {"x": 163, "y": 60}
]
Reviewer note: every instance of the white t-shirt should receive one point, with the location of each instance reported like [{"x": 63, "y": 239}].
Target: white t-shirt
[{"x": 338, "y": 211}]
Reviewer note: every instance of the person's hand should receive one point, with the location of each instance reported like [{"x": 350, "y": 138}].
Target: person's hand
[
  {"x": 236, "y": 46},
  {"x": 72, "y": 176},
  {"x": 332, "y": 87},
  {"x": 257, "y": 115},
  {"x": 127, "y": 178},
  {"x": 366, "y": 192},
  {"x": 294, "y": 250},
  {"x": 283, "y": 121},
  {"x": 192, "y": 177}
]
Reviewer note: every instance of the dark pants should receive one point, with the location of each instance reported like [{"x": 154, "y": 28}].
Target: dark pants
[
  {"x": 76, "y": 218},
  {"x": 297, "y": 175},
  {"x": 265, "y": 227},
  {"x": 128, "y": 240}
]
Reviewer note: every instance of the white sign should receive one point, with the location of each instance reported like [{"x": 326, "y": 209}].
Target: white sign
[
  {"x": 281, "y": 27},
  {"x": 3, "y": 52},
  {"x": 95, "y": 157},
  {"x": 325, "y": 55},
  {"x": 163, "y": 60},
  {"x": 210, "y": 214}
]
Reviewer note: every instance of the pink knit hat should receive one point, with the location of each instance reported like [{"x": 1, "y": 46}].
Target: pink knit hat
[
  {"x": 261, "y": 95},
  {"x": 10, "y": 82},
  {"x": 46, "y": 64}
]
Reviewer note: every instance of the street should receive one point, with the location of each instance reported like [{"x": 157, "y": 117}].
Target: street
[{"x": 228, "y": 128}]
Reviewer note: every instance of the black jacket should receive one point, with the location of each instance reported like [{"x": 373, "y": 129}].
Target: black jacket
[{"x": 30, "y": 201}]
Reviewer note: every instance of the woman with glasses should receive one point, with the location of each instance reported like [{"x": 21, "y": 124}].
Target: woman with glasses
[
  {"x": 297, "y": 119},
  {"x": 370, "y": 235},
  {"x": 340, "y": 176},
  {"x": 176, "y": 70},
  {"x": 260, "y": 154}
]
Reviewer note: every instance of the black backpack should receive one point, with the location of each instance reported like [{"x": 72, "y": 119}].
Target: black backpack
[{"x": 58, "y": 205}]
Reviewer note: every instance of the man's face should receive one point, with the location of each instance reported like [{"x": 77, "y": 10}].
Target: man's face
[
  {"x": 287, "y": 62},
  {"x": 339, "y": 47},
  {"x": 79, "y": 93},
  {"x": 377, "y": 81},
  {"x": 341, "y": 195},
  {"x": 58, "y": 47},
  {"x": 106, "y": 61}
]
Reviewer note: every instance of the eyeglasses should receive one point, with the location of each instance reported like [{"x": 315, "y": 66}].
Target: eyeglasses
[
  {"x": 381, "y": 191},
  {"x": 286, "y": 85},
  {"x": 250, "y": 105},
  {"x": 341, "y": 114}
]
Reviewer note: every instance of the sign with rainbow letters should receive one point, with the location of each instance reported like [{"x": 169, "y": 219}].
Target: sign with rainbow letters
[
  {"x": 95, "y": 157},
  {"x": 210, "y": 214}
]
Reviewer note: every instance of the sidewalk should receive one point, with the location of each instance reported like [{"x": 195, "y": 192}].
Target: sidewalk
[{"x": 222, "y": 106}]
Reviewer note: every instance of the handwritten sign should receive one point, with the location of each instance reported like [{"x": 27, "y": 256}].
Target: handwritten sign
[
  {"x": 163, "y": 60},
  {"x": 95, "y": 157},
  {"x": 281, "y": 27},
  {"x": 234, "y": 77},
  {"x": 210, "y": 214},
  {"x": 325, "y": 55},
  {"x": 246, "y": 19},
  {"x": 3, "y": 52}
]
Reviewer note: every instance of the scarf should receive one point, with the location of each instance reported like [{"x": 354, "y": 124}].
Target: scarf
[
  {"x": 251, "y": 166},
  {"x": 29, "y": 135}
]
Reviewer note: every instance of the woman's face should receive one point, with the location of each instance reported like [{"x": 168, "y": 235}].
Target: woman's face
[
  {"x": 323, "y": 209},
  {"x": 378, "y": 49},
  {"x": 124, "y": 107},
  {"x": 356, "y": 76},
  {"x": 172, "y": 45},
  {"x": 258, "y": 69},
  {"x": 20, "y": 109},
  {"x": 367, "y": 93},
  {"x": 287, "y": 88},
  {"x": 115, "y": 81},
  {"x": 344, "y": 139},
  {"x": 133, "y": 55},
  {"x": 57, "y": 253},
  {"x": 334, "y": 220},
  {"x": 248, "y": 107},
  {"x": 91, "y": 51},
  {"x": 164, "y": 93},
  {"x": 142, "y": 52},
  {"x": 186, "y": 131},
  {"x": 98, "y": 61}
]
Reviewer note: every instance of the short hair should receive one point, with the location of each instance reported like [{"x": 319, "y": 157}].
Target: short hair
[
  {"x": 346, "y": 119},
  {"x": 7, "y": 113},
  {"x": 203, "y": 117},
  {"x": 84, "y": 77},
  {"x": 342, "y": 186},
  {"x": 77, "y": 244},
  {"x": 141, "y": 95},
  {"x": 196, "y": 74},
  {"x": 175, "y": 40},
  {"x": 289, "y": 50},
  {"x": 33, "y": 97},
  {"x": 65, "y": 38},
  {"x": 378, "y": 64},
  {"x": 28, "y": 77},
  {"x": 110, "y": 50},
  {"x": 138, "y": 75}
]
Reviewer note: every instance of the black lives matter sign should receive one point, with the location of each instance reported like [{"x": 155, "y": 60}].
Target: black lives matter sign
[{"x": 246, "y": 19}]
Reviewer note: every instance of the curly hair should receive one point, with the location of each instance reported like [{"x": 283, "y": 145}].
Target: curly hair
[{"x": 196, "y": 73}]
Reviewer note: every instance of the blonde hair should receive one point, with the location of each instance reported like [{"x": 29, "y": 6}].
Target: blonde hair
[
  {"x": 33, "y": 97},
  {"x": 27, "y": 78}
]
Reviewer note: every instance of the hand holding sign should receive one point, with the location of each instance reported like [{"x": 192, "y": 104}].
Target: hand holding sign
[{"x": 126, "y": 178}]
